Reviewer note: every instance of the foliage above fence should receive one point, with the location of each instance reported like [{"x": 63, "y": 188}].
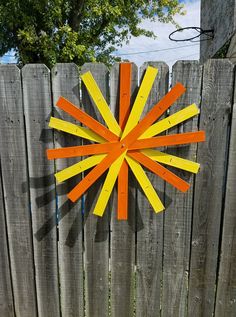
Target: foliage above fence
[{"x": 58, "y": 258}]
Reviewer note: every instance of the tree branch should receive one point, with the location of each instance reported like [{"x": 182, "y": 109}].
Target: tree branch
[
  {"x": 95, "y": 35},
  {"x": 76, "y": 14}
]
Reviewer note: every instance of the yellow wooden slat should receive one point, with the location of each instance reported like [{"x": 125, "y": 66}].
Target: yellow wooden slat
[
  {"x": 101, "y": 103},
  {"x": 108, "y": 186},
  {"x": 145, "y": 184},
  {"x": 172, "y": 160},
  {"x": 79, "y": 167},
  {"x": 171, "y": 121},
  {"x": 75, "y": 130},
  {"x": 141, "y": 99}
]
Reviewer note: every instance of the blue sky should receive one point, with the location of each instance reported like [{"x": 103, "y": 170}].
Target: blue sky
[
  {"x": 143, "y": 44},
  {"x": 174, "y": 51},
  {"x": 8, "y": 58}
]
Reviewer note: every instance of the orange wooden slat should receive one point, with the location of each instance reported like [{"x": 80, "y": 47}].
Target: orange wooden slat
[
  {"x": 122, "y": 196},
  {"x": 124, "y": 107},
  {"x": 94, "y": 174},
  {"x": 87, "y": 120},
  {"x": 81, "y": 150},
  {"x": 167, "y": 140},
  {"x": 125, "y": 89},
  {"x": 155, "y": 113},
  {"x": 160, "y": 171}
]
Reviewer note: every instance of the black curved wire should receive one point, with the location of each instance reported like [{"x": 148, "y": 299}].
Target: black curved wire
[{"x": 208, "y": 33}]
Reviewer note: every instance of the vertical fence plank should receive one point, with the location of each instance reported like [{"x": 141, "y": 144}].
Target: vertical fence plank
[
  {"x": 178, "y": 214},
  {"x": 209, "y": 185},
  {"x": 38, "y": 107},
  {"x": 149, "y": 224},
  {"x": 96, "y": 229},
  {"x": 208, "y": 203},
  {"x": 6, "y": 298},
  {"x": 122, "y": 232},
  {"x": 14, "y": 174},
  {"x": 226, "y": 289},
  {"x": 65, "y": 82}
]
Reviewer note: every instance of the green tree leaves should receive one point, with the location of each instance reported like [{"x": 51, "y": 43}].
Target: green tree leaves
[{"x": 50, "y": 31}]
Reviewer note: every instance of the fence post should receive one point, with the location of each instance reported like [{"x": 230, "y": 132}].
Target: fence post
[
  {"x": 122, "y": 232},
  {"x": 178, "y": 214},
  {"x": 65, "y": 82},
  {"x": 6, "y": 296},
  {"x": 15, "y": 188},
  {"x": 149, "y": 224},
  {"x": 226, "y": 293},
  {"x": 218, "y": 79},
  {"x": 38, "y": 108},
  {"x": 96, "y": 229}
]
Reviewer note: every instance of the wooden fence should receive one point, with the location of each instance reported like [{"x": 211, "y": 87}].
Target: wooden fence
[{"x": 57, "y": 259}]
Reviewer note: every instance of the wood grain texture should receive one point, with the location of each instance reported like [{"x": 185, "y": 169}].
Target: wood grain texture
[
  {"x": 38, "y": 107},
  {"x": 65, "y": 82},
  {"x": 209, "y": 186},
  {"x": 178, "y": 214},
  {"x": 183, "y": 268},
  {"x": 16, "y": 198},
  {"x": 96, "y": 229},
  {"x": 6, "y": 295},
  {"x": 213, "y": 17},
  {"x": 226, "y": 288},
  {"x": 122, "y": 232},
  {"x": 150, "y": 225}
]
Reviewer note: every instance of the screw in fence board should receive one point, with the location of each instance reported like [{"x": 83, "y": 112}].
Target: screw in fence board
[
  {"x": 65, "y": 82},
  {"x": 122, "y": 231},
  {"x": 6, "y": 297},
  {"x": 37, "y": 108},
  {"x": 226, "y": 292},
  {"x": 209, "y": 186},
  {"x": 16, "y": 199},
  {"x": 96, "y": 229},
  {"x": 178, "y": 215},
  {"x": 150, "y": 225}
]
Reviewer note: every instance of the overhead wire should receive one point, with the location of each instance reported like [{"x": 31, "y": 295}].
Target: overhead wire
[
  {"x": 142, "y": 52},
  {"x": 154, "y": 51}
]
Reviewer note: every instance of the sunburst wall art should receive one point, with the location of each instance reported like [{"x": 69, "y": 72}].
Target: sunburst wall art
[{"x": 126, "y": 144}]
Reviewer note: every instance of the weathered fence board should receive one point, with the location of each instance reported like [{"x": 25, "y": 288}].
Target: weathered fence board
[
  {"x": 65, "y": 82},
  {"x": 122, "y": 232},
  {"x": 15, "y": 188},
  {"x": 149, "y": 224},
  {"x": 6, "y": 298},
  {"x": 178, "y": 214},
  {"x": 96, "y": 229},
  {"x": 38, "y": 108},
  {"x": 218, "y": 16},
  {"x": 226, "y": 289},
  {"x": 55, "y": 254},
  {"x": 209, "y": 186}
]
